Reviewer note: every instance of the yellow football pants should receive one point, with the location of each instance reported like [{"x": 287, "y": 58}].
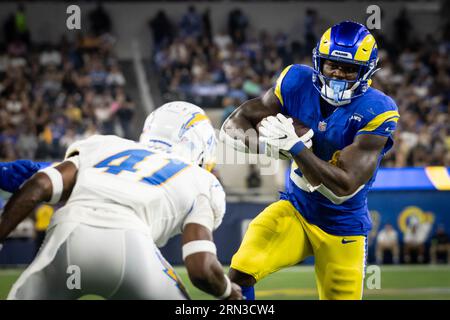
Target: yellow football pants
[{"x": 280, "y": 237}]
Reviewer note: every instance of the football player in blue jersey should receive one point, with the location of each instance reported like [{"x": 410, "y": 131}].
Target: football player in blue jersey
[{"x": 323, "y": 212}]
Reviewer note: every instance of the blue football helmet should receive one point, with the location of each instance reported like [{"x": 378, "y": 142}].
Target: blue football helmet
[{"x": 351, "y": 43}]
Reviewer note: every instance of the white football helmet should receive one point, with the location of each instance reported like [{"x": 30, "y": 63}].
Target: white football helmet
[{"x": 184, "y": 129}]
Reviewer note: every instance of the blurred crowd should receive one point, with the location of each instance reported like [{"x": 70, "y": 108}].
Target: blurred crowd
[
  {"x": 225, "y": 68},
  {"x": 52, "y": 95}
]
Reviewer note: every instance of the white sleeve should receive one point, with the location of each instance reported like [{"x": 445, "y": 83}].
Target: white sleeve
[
  {"x": 201, "y": 213},
  {"x": 75, "y": 160},
  {"x": 218, "y": 202},
  {"x": 208, "y": 209},
  {"x": 89, "y": 145}
]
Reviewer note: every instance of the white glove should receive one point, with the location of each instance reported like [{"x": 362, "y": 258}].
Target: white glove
[
  {"x": 273, "y": 152},
  {"x": 279, "y": 133}
]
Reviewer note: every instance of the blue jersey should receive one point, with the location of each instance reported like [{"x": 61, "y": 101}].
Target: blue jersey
[{"x": 371, "y": 113}]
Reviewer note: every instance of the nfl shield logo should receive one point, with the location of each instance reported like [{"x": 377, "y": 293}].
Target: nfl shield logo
[{"x": 322, "y": 126}]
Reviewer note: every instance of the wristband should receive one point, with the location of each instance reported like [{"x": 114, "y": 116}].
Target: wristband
[
  {"x": 297, "y": 148},
  {"x": 57, "y": 183},
  {"x": 198, "y": 246},
  {"x": 227, "y": 291}
]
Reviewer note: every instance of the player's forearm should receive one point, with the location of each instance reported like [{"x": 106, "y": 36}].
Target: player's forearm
[
  {"x": 319, "y": 172},
  {"x": 213, "y": 283},
  {"x": 241, "y": 124},
  {"x": 208, "y": 275},
  {"x": 22, "y": 203}
]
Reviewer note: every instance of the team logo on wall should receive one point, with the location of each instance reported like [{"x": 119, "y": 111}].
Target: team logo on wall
[{"x": 413, "y": 216}]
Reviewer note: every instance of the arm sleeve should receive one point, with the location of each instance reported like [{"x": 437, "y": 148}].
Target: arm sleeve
[
  {"x": 201, "y": 213},
  {"x": 289, "y": 86},
  {"x": 381, "y": 123},
  {"x": 278, "y": 90},
  {"x": 209, "y": 207}
]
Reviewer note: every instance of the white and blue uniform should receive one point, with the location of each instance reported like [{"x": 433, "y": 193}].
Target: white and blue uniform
[{"x": 127, "y": 201}]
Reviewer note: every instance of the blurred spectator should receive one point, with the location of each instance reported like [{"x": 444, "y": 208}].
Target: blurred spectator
[
  {"x": 403, "y": 29},
  {"x": 15, "y": 27},
  {"x": 387, "y": 242},
  {"x": 310, "y": 28},
  {"x": 52, "y": 95},
  {"x": 207, "y": 27},
  {"x": 237, "y": 26},
  {"x": 100, "y": 21},
  {"x": 191, "y": 24},
  {"x": 123, "y": 107},
  {"x": 440, "y": 246},
  {"x": 254, "y": 177},
  {"x": 414, "y": 242},
  {"x": 50, "y": 57},
  {"x": 229, "y": 106},
  {"x": 162, "y": 29}
]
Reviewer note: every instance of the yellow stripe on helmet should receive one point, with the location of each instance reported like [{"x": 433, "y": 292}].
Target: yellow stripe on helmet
[
  {"x": 325, "y": 41},
  {"x": 278, "y": 85},
  {"x": 365, "y": 49},
  {"x": 197, "y": 118},
  {"x": 380, "y": 119}
]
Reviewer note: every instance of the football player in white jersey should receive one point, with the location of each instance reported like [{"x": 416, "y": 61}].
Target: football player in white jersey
[{"x": 124, "y": 200}]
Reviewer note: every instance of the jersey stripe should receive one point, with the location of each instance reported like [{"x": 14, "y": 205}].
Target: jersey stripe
[
  {"x": 278, "y": 85},
  {"x": 380, "y": 119}
]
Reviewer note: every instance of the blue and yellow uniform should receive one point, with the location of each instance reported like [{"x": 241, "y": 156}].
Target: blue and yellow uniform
[
  {"x": 373, "y": 113},
  {"x": 304, "y": 223}
]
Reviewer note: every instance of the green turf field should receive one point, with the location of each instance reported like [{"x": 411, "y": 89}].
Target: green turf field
[{"x": 397, "y": 282}]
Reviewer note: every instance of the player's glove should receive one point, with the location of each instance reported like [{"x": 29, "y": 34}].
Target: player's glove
[
  {"x": 14, "y": 174},
  {"x": 279, "y": 134},
  {"x": 271, "y": 151}
]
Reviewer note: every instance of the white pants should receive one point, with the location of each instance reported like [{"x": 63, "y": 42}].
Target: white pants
[{"x": 77, "y": 259}]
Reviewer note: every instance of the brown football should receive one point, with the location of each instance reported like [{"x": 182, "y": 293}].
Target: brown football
[{"x": 300, "y": 127}]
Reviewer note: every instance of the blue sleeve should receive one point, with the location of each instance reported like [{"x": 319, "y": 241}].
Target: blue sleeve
[
  {"x": 288, "y": 87},
  {"x": 381, "y": 120},
  {"x": 14, "y": 174}
]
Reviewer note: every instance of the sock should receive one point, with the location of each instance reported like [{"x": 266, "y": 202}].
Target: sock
[{"x": 248, "y": 292}]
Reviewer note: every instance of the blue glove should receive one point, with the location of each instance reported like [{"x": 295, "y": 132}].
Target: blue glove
[{"x": 14, "y": 174}]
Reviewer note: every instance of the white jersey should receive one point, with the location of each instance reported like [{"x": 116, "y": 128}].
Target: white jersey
[{"x": 122, "y": 184}]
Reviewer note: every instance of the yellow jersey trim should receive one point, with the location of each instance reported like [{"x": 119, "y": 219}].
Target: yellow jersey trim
[
  {"x": 380, "y": 119},
  {"x": 278, "y": 84}
]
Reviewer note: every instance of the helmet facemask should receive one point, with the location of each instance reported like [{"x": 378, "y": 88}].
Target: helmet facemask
[
  {"x": 348, "y": 43},
  {"x": 339, "y": 92}
]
